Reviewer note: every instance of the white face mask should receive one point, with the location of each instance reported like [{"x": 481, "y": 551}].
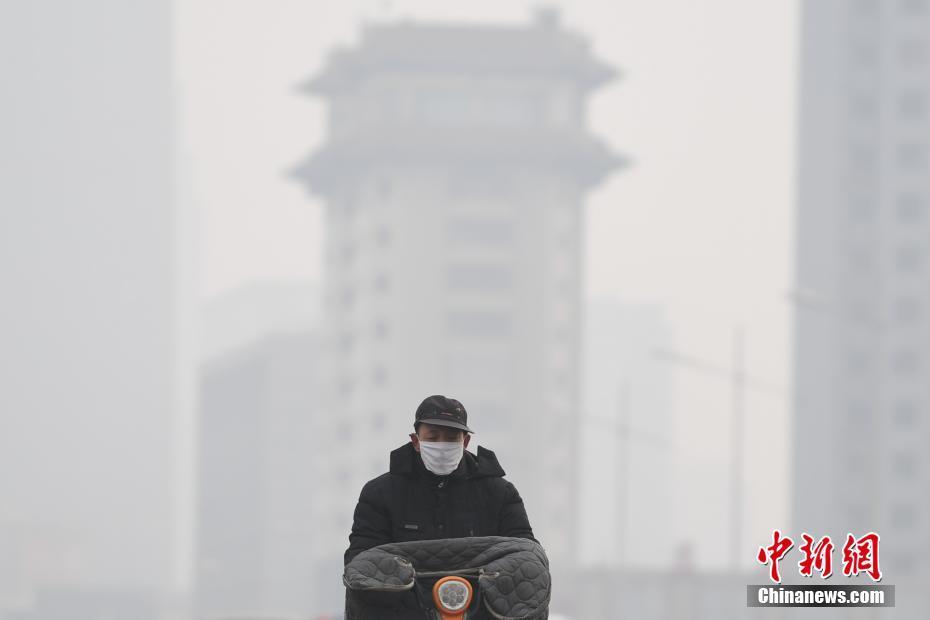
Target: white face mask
[{"x": 441, "y": 457}]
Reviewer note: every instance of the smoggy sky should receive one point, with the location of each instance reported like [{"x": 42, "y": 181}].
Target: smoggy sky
[{"x": 700, "y": 223}]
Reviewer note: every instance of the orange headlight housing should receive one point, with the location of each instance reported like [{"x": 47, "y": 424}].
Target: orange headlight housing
[{"x": 452, "y": 596}]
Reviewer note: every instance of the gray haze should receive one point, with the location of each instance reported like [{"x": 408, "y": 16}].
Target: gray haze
[
  {"x": 685, "y": 109},
  {"x": 94, "y": 373},
  {"x": 581, "y": 222}
]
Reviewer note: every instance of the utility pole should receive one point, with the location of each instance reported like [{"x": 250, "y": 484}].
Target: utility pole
[
  {"x": 623, "y": 474},
  {"x": 626, "y": 435},
  {"x": 736, "y": 446},
  {"x": 740, "y": 381}
]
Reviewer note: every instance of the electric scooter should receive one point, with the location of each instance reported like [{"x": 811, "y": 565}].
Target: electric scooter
[{"x": 476, "y": 578}]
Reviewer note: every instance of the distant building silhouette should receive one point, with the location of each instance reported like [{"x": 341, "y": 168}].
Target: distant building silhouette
[
  {"x": 93, "y": 370},
  {"x": 862, "y": 362},
  {"x": 245, "y": 316},
  {"x": 259, "y": 464},
  {"x": 454, "y": 175},
  {"x": 627, "y": 404},
  {"x": 92, "y": 604}
]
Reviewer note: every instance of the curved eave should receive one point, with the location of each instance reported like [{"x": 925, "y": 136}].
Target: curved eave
[
  {"x": 340, "y": 164},
  {"x": 333, "y": 81}
]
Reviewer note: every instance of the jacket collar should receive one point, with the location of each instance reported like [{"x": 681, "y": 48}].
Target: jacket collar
[{"x": 407, "y": 462}]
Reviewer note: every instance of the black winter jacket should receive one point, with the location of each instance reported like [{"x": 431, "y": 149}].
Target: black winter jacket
[{"x": 412, "y": 503}]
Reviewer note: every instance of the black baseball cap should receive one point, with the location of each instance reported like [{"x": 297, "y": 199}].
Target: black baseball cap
[{"x": 442, "y": 411}]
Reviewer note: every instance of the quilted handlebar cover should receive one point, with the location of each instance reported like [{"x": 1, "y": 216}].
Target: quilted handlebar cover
[{"x": 513, "y": 576}]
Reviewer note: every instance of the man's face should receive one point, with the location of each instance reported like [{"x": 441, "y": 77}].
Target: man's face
[{"x": 435, "y": 432}]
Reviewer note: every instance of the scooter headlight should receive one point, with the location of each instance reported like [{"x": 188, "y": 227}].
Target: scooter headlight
[{"x": 452, "y": 595}]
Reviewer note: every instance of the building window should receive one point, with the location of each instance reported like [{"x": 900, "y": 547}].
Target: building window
[
  {"x": 382, "y": 283},
  {"x": 858, "y": 514},
  {"x": 904, "y": 562},
  {"x": 346, "y": 342},
  {"x": 348, "y": 298},
  {"x": 904, "y": 465},
  {"x": 346, "y": 386},
  {"x": 478, "y": 323},
  {"x": 345, "y": 432},
  {"x": 863, "y": 53},
  {"x": 562, "y": 265},
  {"x": 862, "y": 158},
  {"x": 349, "y": 208},
  {"x": 908, "y": 259},
  {"x": 384, "y": 189},
  {"x": 561, "y": 379},
  {"x": 473, "y": 230},
  {"x": 905, "y": 362},
  {"x": 910, "y": 207},
  {"x": 477, "y": 277},
  {"x": 861, "y": 207},
  {"x": 348, "y": 253},
  {"x": 912, "y": 105},
  {"x": 479, "y": 371},
  {"x": 913, "y": 6},
  {"x": 383, "y": 236},
  {"x": 904, "y": 516},
  {"x": 463, "y": 108},
  {"x": 381, "y": 329},
  {"x": 907, "y": 310},
  {"x": 563, "y": 334},
  {"x": 911, "y": 156},
  {"x": 379, "y": 375},
  {"x": 863, "y": 106},
  {"x": 862, "y": 312},
  {"x": 905, "y": 414},
  {"x": 857, "y": 362},
  {"x": 860, "y": 259},
  {"x": 911, "y": 52},
  {"x": 560, "y": 359},
  {"x": 860, "y": 462},
  {"x": 858, "y": 412},
  {"x": 566, "y": 288}
]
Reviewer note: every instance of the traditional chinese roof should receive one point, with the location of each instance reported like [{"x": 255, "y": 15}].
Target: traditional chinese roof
[
  {"x": 542, "y": 48},
  {"x": 567, "y": 153},
  {"x": 539, "y": 51}
]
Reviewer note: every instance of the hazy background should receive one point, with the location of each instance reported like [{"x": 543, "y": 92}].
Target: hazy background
[
  {"x": 703, "y": 108},
  {"x": 165, "y": 445}
]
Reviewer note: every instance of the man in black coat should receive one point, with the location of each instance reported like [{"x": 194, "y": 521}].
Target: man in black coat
[{"x": 435, "y": 489}]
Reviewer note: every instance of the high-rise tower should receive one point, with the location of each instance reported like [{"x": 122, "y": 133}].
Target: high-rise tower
[
  {"x": 93, "y": 369},
  {"x": 454, "y": 175},
  {"x": 863, "y": 319}
]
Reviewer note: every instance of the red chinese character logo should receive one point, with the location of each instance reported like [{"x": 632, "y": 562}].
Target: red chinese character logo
[
  {"x": 862, "y": 556},
  {"x": 817, "y": 557},
  {"x": 774, "y": 553}
]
